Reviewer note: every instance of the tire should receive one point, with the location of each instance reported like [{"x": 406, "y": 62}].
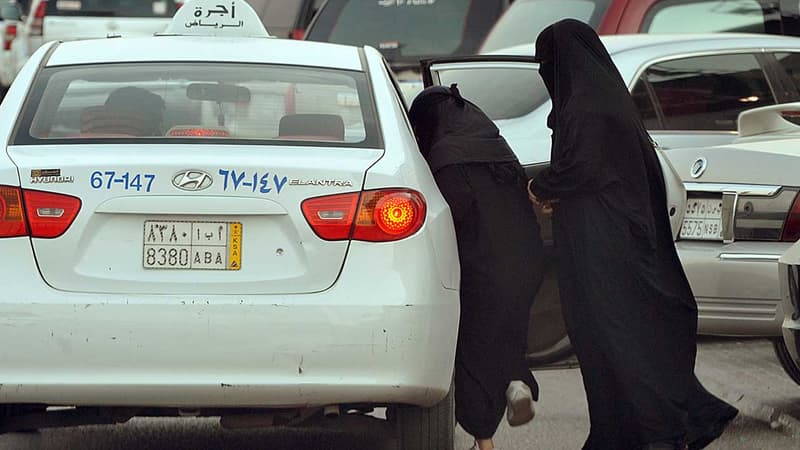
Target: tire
[
  {"x": 421, "y": 428},
  {"x": 788, "y": 364}
]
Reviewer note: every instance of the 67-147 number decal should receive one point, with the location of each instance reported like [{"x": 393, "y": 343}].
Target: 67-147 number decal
[{"x": 110, "y": 179}]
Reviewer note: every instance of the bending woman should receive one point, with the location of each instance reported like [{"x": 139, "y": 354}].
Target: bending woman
[{"x": 500, "y": 252}]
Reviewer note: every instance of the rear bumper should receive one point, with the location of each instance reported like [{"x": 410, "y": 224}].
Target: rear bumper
[
  {"x": 736, "y": 286},
  {"x": 380, "y": 336},
  {"x": 239, "y": 354}
]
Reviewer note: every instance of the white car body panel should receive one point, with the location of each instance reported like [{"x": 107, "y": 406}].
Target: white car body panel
[
  {"x": 217, "y": 49},
  {"x": 379, "y": 328}
]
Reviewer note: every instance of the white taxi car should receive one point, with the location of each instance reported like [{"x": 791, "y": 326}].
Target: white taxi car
[{"x": 212, "y": 219}]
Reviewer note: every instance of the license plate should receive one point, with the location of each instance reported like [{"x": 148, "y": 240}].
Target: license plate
[
  {"x": 703, "y": 219},
  {"x": 192, "y": 245}
]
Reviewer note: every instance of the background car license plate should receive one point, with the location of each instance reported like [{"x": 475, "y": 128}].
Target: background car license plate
[
  {"x": 192, "y": 245},
  {"x": 703, "y": 219}
]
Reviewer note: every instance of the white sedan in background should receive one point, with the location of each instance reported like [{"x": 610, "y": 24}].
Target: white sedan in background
[
  {"x": 690, "y": 90},
  {"x": 212, "y": 219}
]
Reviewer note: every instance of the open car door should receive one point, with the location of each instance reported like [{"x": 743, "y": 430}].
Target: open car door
[{"x": 511, "y": 92}]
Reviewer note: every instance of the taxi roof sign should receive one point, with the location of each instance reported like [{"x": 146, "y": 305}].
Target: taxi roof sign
[{"x": 224, "y": 18}]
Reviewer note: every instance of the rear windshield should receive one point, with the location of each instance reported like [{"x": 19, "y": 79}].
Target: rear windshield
[
  {"x": 170, "y": 102},
  {"x": 407, "y": 30},
  {"x": 706, "y": 16},
  {"x": 112, "y": 8},
  {"x": 525, "y": 19}
]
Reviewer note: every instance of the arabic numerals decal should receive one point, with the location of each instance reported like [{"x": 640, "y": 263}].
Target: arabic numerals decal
[
  {"x": 110, "y": 174},
  {"x": 136, "y": 182},
  {"x": 122, "y": 180},
  {"x": 150, "y": 178},
  {"x": 97, "y": 180},
  {"x": 265, "y": 189}
]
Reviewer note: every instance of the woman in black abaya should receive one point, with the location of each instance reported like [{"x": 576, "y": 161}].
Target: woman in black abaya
[
  {"x": 627, "y": 304},
  {"x": 500, "y": 252}
]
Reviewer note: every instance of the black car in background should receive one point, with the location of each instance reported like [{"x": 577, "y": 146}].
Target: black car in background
[
  {"x": 286, "y": 18},
  {"x": 406, "y": 31}
]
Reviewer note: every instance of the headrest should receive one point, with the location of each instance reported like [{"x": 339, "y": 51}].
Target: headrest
[{"x": 328, "y": 127}]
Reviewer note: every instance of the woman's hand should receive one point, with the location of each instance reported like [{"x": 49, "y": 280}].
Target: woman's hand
[{"x": 545, "y": 206}]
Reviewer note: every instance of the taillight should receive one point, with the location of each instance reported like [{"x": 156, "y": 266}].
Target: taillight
[
  {"x": 198, "y": 132},
  {"x": 12, "y": 219},
  {"x": 331, "y": 217},
  {"x": 49, "y": 215},
  {"x": 9, "y": 35},
  {"x": 298, "y": 34},
  {"x": 37, "y": 24},
  {"x": 791, "y": 229},
  {"x": 375, "y": 216}
]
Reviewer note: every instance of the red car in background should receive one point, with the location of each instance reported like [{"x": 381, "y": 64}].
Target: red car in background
[{"x": 524, "y": 19}]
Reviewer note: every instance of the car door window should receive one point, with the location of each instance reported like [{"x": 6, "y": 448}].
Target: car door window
[
  {"x": 643, "y": 98},
  {"x": 523, "y": 89},
  {"x": 678, "y": 16},
  {"x": 707, "y": 93},
  {"x": 790, "y": 62}
]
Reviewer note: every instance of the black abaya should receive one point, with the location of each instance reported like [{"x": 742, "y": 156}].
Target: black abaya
[
  {"x": 500, "y": 251},
  {"x": 627, "y": 304}
]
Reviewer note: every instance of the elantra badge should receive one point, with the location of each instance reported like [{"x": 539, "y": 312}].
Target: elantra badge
[
  {"x": 698, "y": 168},
  {"x": 192, "y": 180}
]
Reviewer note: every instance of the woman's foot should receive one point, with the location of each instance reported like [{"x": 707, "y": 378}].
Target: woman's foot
[{"x": 520, "y": 404}]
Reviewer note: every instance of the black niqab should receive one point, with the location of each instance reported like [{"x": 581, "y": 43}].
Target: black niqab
[
  {"x": 627, "y": 304},
  {"x": 500, "y": 250},
  {"x": 452, "y": 130}
]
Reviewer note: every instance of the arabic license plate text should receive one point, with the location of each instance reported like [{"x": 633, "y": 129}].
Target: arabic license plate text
[
  {"x": 192, "y": 245},
  {"x": 703, "y": 219}
]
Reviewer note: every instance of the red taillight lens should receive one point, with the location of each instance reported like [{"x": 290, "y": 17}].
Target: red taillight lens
[
  {"x": 49, "y": 214},
  {"x": 791, "y": 228},
  {"x": 198, "y": 132},
  {"x": 12, "y": 219},
  {"x": 9, "y": 36},
  {"x": 331, "y": 217},
  {"x": 37, "y": 24},
  {"x": 389, "y": 215},
  {"x": 379, "y": 215},
  {"x": 298, "y": 34}
]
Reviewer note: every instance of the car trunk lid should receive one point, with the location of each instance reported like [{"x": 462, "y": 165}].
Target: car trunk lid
[{"x": 191, "y": 219}]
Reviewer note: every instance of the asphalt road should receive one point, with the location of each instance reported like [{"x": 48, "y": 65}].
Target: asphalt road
[{"x": 743, "y": 371}]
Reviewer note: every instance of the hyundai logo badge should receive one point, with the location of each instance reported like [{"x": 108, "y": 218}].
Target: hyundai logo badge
[
  {"x": 192, "y": 180},
  {"x": 699, "y": 167}
]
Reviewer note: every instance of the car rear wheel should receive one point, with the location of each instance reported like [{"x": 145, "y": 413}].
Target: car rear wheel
[
  {"x": 431, "y": 428},
  {"x": 789, "y": 365}
]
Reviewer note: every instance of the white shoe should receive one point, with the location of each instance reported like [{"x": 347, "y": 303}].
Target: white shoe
[{"x": 520, "y": 404}]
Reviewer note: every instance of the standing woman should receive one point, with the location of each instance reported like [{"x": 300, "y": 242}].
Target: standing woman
[
  {"x": 627, "y": 304},
  {"x": 500, "y": 252}
]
